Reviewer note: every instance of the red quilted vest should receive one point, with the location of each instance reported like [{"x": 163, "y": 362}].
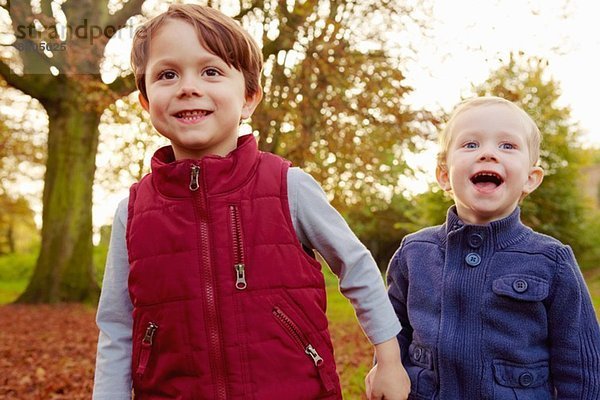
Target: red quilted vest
[{"x": 227, "y": 304}]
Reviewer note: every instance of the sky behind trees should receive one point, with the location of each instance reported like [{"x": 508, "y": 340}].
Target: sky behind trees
[{"x": 470, "y": 38}]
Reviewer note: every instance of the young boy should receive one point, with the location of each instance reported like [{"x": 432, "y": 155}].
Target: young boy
[
  {"x": 210, "y": 289},
  {"x": 489, "y": 308}
]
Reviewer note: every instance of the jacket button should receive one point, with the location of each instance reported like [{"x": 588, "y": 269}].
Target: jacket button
[
  {"x": 526, "y": 379},
  {"x": 417, "y": 353},
  {"x": 473, "y": 259},
  {"x": 475, "y": 240},
  {"x": 520, "y": 286}
]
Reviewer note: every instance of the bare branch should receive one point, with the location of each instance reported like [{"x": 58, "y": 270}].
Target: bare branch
[
  {"x": 37, "y": 86},
  {"x": 255, "y": 5},
  {"x": 122, "y": 86},
  {"x": 47, "y": 8},
  {"x": 119, "y": 19}
]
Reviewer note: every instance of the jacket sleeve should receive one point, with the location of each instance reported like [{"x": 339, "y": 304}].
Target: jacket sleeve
[
  {"x": 319, "y": 226},
  {"x": 573, "y": 332},
  {"x": 397, "y": 292},
  {"x": 112, "y": 379}
]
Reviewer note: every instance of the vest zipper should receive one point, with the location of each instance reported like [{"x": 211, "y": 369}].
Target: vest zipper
[
  {"x": 296, "y": 334},
  {"x": 146, "y": 348},
  {"x": 213, "y": 329},
  {"x": 238, "y": 248},
  {"x": 194, "y": 185}
]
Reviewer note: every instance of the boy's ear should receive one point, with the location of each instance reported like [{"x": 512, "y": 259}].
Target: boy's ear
[
  {"x": 441, "y": 174},
  {"x": 534, "y": 179},
  {"x": 143, "y": 101},
  {"x": 250, "y": 104}
]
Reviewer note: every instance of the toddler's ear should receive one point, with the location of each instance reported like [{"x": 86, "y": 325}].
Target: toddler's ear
[
  {"x": 441, "y": 174},
  {"x": 536, "y": 175},
  {"x": 143, "y": 101},
  {"x": 250, "y": 104}
]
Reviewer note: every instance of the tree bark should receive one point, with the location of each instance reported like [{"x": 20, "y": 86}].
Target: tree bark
[{"x": 64, "y": 269}]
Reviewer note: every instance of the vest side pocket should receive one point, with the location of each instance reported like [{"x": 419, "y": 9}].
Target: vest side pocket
[
  {"x": 296, "y": 334},
  {"x": 146, "y": 349}
]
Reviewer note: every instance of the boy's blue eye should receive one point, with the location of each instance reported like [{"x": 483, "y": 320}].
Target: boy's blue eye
[
  {"x": 470, "y": 145},
  {"x": 507, "y": 146}
]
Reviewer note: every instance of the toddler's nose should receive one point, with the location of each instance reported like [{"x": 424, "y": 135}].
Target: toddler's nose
[{"x": 488, "y": 154}]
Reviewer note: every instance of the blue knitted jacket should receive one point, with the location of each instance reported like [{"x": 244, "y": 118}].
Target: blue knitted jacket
[{"x": 493, "y": 311}]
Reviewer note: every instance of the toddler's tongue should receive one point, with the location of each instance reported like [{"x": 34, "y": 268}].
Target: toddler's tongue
[{"x": 487, "y": 186}]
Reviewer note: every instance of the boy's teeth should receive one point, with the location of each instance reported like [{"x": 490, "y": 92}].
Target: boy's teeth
[
  {"x": 487, "y": 179},
  {"x": 191, "y": 114}
]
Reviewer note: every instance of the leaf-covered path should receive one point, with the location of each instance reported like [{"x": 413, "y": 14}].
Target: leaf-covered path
[{"x": 48, "y": 353}]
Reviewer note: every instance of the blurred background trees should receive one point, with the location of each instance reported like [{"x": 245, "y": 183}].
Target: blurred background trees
[
  {"x": 558, "y": 207},
  {"x": 335, "y": 104}
]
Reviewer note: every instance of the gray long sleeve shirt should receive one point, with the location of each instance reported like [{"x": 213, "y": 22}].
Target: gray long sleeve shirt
[{"x": 318, "y": 226}]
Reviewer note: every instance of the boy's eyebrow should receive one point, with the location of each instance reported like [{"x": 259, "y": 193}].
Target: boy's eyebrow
[{"x": 204, "y": 59}]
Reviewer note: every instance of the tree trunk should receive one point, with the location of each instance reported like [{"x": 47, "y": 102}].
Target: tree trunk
[
  {"x": 64, "y": 269},
  {"x": 10, "y": 236}
]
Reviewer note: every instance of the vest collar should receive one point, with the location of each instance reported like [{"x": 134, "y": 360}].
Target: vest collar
[
  {"x": 504, "y": 232},
  {"x": 217, "y": 174}
]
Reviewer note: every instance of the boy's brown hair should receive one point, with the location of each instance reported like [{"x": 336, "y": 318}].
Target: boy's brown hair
[{"x": 218, "y": 33}]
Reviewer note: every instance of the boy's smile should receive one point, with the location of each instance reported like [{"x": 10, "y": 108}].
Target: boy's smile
[
  {"x": 488, "y": 166},
  {"x": 195, "y": 99},
  {"x": 192, "y": 116}
]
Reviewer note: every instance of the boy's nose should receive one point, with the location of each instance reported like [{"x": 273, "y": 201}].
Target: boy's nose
[{"x": 189, "y": 88}]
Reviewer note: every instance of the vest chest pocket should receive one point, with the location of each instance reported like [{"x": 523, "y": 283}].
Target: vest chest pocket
[{"x": 237, "y": 240}]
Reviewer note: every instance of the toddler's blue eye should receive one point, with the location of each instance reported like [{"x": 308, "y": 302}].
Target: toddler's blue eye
[
  {"x": 507, "y": 146},
  {"x": 212, "y": 72},
  {"x": 470, "y": 145}
]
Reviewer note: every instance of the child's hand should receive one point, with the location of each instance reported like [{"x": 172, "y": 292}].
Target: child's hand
[
  {"x": 388, "y": 379},
  {"x": 387, "y": 383}
]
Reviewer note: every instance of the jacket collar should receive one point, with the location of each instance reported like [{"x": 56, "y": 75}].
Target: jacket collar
[
  {"x": 216, "y": 175},
  {"x": 504, "y": 232}
]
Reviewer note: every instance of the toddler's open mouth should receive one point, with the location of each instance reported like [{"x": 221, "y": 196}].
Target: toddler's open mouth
[{"x": 487, "y": 180}]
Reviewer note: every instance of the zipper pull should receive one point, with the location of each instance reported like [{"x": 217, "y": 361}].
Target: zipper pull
[
  {"x": 146, "y": 348},
  {"x": 312, "y": 352},
  {"x": 240, "y": 274},
  {"x": 150, "y": 331},
  {"x": 194, "y": 185}
]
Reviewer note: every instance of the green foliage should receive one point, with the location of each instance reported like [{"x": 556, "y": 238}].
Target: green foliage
[
  {"x": 17, "y": 266},
  {"x": 15, "y": 271},
  {"x": 429, "y": 208},
  {"x": 333, "y": 105},
  {"x": 557, "y": 207},
  {"x": 100, "y": 253},
  {"x": 18, "y": 231},
  {"x": 381, "y": 230}
]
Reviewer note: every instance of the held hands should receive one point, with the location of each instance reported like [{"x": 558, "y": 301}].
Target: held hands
[{"x": 388, "y": 379}]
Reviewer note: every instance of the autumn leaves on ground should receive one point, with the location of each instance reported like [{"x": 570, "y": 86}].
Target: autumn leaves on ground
[{"x": 48, "y": 352}]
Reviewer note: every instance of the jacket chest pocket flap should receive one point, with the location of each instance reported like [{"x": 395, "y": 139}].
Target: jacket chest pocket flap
[
  {"x": 521, "y": 287},
  {"x": 521, "y": 375}
]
